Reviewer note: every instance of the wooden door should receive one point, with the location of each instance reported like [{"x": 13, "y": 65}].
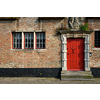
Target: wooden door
[{"x": 75, "y": 54}]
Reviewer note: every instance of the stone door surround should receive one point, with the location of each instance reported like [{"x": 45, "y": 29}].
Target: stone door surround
[{"x": 86, "y": 50}]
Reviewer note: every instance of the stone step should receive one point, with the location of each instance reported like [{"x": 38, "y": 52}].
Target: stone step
[
  {"x": 76, "y": 79},
  {"x": 75, "y": 72},
  {"x": 76, "y": 75}
]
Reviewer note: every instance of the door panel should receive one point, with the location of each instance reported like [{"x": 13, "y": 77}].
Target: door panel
[{"x": 75, "y": 54}]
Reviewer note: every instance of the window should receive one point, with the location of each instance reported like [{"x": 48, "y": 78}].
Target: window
[
  {"x": 28, "y": 40},
  {"x": 17, "y": 40},
  {"x": 97, "y": 39},
  {"x": 40, "y": 40}
]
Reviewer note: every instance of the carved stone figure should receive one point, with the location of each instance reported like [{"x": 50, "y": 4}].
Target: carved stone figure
[
  {"x": 71, "y": 21},
  {"x": 74, "y": 22}
]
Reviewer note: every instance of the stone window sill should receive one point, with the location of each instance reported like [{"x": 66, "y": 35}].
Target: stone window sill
[
  {"x": 39, "y": 50},
  {"x": 21, "y": 49},
  {"x": 96, "y": 48}
]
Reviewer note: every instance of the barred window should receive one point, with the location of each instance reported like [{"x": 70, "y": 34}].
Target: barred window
[
  {"x": 40, "y": 40},
  {"x": 28, "y": 40},
  {"x": 17, "y": 40},
  {"x": 97, "y": 38}
]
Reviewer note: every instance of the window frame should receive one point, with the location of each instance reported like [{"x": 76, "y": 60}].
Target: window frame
[
  {"x": 34, "y": 40},
  {"x": 96, "y": 40},
  {"x": 24, "y": 39},
  {"x": 39, "y": 40},
  {"x": 13, "y": 39}
]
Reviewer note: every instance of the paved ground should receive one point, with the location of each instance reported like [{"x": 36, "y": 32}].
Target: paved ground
[{"x": 31, "y": 80}]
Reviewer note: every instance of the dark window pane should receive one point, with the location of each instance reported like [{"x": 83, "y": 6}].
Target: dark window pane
[
  {"x": 31, "y": 40},
  {"x": 40, "y": 40},
  {"x": 14, "y": 45},
  {"x": 37, "y": 40},
  {"x": 37, "y": 45},
  {"x": 98, "y": 45},
  {"x": 43, "y": 45},
  {"x": 20, "y": 45},
  {"x": 43, "y": 40},
  {"x": 40, "y": 45},
  {"x": 43, "y": 36},
  {"x": 31, "y": 45}
]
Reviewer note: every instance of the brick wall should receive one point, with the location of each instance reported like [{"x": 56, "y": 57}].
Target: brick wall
[
  {"x": 49, "y": 58},
  {"x": 95, "y": 59}
]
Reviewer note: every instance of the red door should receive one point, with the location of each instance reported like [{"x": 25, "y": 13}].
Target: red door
[{"x": 75, "y": 54}]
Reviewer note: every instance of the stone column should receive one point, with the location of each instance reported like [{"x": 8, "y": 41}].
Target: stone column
[
  {"x": 22, "y": 40},
  {"x": 87, "y": 51},
  {"x": 64, "y": 51}
]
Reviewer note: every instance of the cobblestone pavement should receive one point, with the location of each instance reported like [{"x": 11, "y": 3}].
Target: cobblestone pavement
[{"x": 31, "y": 80}]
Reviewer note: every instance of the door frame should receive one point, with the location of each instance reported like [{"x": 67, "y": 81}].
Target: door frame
[{"x": 86, "y": 49}]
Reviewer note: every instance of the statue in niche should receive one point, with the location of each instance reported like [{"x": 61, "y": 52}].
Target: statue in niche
[{"x": 74, "y": 22}]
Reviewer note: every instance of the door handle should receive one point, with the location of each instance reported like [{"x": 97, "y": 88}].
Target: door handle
[
  {"x": 68, "y": 53},
  {"x": 73, "y": 49}
]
